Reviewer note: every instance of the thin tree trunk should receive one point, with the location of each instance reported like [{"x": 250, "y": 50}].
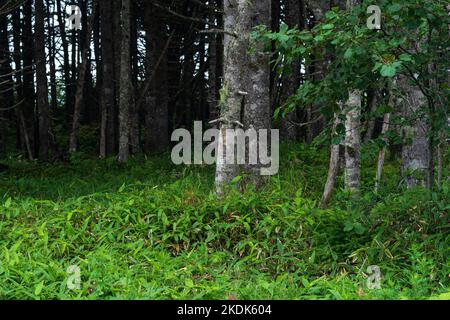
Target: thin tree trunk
[
  {"x": 213, "y": 81},
  {"x": 353, "y": 142},
  {"x": 291, "y": 79},
  {"x": 382, "y": 155},
  {"x": 353, "y": 136},
  {"x": 442, "y": 147},
  {"x": 66, "y": 60},
  {"x": 28, "y": 74},
  {"x": 17, "y": 33},
  {"x": 52, "y": 57},
  {"x": 135, "y": 143},
  {"x": 125, "y": 84},
  {"x": 374, "y": 100},
  {"x": 156, "y": 91},
  {"x": 333, "y": 170},
  {"x": 25, "y": 136},
  {"x": 107, "y": 139},
  {"x": 73, "y": 144},
  {"x": 416, "y": 151},
  {"x": 41, "y": 82}
]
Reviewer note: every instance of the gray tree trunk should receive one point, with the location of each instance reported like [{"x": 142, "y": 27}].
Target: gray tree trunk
[
  {"x": 353, "y": 136},
  {"x": 382, "y": 154},
  {"x": 246, "y": 80},
  {"x": 416, "y": 149},
  {"x": 353, "y": 142},
  {"x": 333, "y": 169}
]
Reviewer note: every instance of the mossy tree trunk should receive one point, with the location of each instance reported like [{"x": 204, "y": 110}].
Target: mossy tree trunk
[{"x": 245, "y": 96}]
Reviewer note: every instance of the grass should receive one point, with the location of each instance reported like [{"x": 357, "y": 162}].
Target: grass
[{"x": 150, "y": 230}]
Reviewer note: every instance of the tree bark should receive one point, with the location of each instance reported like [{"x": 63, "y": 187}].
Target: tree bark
[
  {"x": 125, "y": 84},
  {"x": 41, "y": 82},
  {"x": 382, "y": 155},
  {"x": 246, "y": 82},
  {"x": 333, "y": 170},
  {"x": 374, "y": 100},
  {"x": 107, "y": 139},
  {"x": 157, "y": 107},
  {"x": 73, "y": 144},
  {"x": 416, "y": 149},
  {"x": 291, "y": 79},
  {"x": 353, "y": 142},
  {"x": 353, "y": 136},
  {"x": 28, "y": 74}
]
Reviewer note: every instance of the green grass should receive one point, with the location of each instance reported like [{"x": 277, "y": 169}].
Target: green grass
[{"x": 150, "y": 230}]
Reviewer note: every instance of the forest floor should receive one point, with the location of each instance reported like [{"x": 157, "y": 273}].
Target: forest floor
[{"x": 151, "y": 230}]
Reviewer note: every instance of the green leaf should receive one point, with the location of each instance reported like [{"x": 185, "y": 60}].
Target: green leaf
[
  {"x": 39, "y": 287},
  {"x": 394, "y": 8},
  {"x": 405, "y": 57},
  {"x": 348, "y": 226},
  {"x": 236, "y": 180},
  {"x": 8, "y": 203},
  {"x": 388, "y": 71},
  {"x": 277, "y": 114},
  {"x": 348, "y": 53}
]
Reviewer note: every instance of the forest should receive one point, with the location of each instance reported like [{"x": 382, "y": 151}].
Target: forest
[{"x": 224, "y": 149}]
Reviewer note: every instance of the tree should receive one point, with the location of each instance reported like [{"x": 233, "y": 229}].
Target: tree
[
  {"x": 125, "y": 84},
  {"x": 108, "y": 114},
  {"x": 416, "y": 148},
  {"x": 156, "y": 91},
  {"x": 79, "y": 96},
  {"x": 41, "y": 82},
  {"x": 246, "y": 82},
  {"x": 352, "y": 133},
  {"x": 291, "y": 77}
]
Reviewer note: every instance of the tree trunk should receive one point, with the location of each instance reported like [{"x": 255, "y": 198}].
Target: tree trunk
[
  {"x": 374, "y": 100},
  {"x": 66, "y": 60},
  {"x": 157, "y": 106},
  {"x": 107, "y": 139},
  {"x": 353, "y": 142},
  {"x": 382, "y": 155},
  {"x": 246, "y": 82},
  {"x": 52, "y": 56},
  {"x": 213, "y": 64},
  {"x": 28, "y": 74},
  {"x": 333, "y": 170},
  {"x": 135, "y": 143},
  {"x": 291, "y": 79},
  {"x": 353, "y": 136},
  {"x": 125, "y": 84},
  {"x": 73, "y": 144},
  {"x": 41, "y": 82},
  {"x": 416, "y": 150},
  {"x": 257, "y": 106}
]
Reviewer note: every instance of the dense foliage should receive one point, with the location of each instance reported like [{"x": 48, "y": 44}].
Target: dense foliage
[
  {"x": 413, "y": 42},
  {"x": 163, "y": 234}
]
